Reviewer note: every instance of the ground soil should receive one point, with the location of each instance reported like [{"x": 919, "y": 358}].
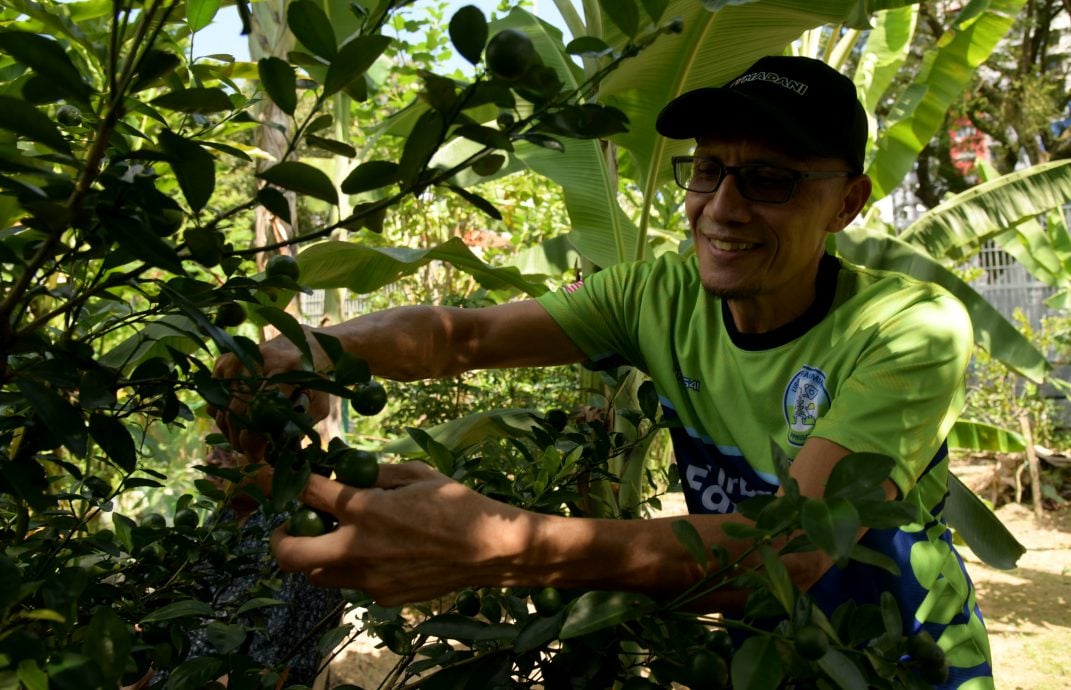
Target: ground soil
[{"x": 1027, "y": 611}]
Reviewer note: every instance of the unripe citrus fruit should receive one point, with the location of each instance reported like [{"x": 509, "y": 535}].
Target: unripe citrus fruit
[
  {"x": 467, "y": 603},
  {"x": 811, "y": 642},
  {"x": 186, "y": 517},
  {"x": 282, "y": 266},
  {"x": 230, "y": 314},
  {"x": 509, "y": 54},
  {"x": 369, "y": 398},
  {"x": 69, "y": 116},
  {"x": 305, "y": 522},
  {"x": 705, "y": 669},
  {"x": 358, "y": 468},
  {"x": 548, "y": 601},
  {"x": 153, "y": 521}
]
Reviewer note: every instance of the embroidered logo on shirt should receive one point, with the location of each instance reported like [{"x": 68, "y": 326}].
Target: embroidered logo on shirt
[
  {"x": 689, "y": 384},
  {"x": 806, "y": 399}
]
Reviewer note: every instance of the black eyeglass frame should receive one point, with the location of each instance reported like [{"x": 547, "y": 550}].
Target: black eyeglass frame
[{"x": 742, "y": 182}]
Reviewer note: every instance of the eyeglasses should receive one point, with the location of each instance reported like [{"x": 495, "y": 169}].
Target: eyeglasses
[{"x": 768, "y": 184}]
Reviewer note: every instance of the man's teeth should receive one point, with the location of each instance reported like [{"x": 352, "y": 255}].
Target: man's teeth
[{"x": 731, "y": 246}]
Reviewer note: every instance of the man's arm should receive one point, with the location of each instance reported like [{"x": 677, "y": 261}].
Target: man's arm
[
  {"x": 412, "y": 343},
  {"x": 420, "y": 535}
]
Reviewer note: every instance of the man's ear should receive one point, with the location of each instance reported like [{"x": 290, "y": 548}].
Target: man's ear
[{"x": 856, "y": 193}]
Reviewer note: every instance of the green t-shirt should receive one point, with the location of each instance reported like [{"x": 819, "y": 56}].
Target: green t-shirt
[{"x": 876, "y": 364}]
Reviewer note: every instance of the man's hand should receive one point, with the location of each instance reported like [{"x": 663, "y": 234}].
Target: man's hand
[
  {"x": 279, "y": 355},
  {"x": 417, "y": 535}
]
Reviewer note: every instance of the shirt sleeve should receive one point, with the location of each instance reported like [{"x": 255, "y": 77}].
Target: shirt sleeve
[
  {"x": 602, "y": 314},
  {"x": 907, "y": 388}
]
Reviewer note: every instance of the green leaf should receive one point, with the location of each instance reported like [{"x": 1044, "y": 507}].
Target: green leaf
[
  {"x": 115, "y": 440},
  {"x": 108, "y": 642},
  {"x": 202, "y": 100},
  {"x": 468, "y": 32},
  {"x": 538, "y": 631},
  {"x": 594, "y": 611},
  {"x": 588, "y": 46},
  {"x": 286, "y": 324},
  {"x": 476, "y": 200},
  {"x": 858, "y": 474},
  {"x": 777, "y": 578},
  {"x": 865, "y": 554},
  {"x": 132, "y": 235},
  {"x": 32, "y": 676},
  {"x": 187, "y": 608},
  {"x": 363, "y": 269},
  {"x": 831, "y": 525},
  {"x": 63, "y": 420},
  {"x": 275, "y": 202},
  {"x": 842, "y": 671},
  {"x": 419, "y": 146},
  {"x": 303, "y": 179},
  {"x": 470, "y": 430},
  {"x": 624, "y": 14},
  {"x": 46, "y": 57},
  {"x": 983, "y": 531},
  {"x": 689, "y": 538},
  {"x": 647, "y": 397},
  {"x": 370, "y": 175},
  {"x": 439, "y": 455},
  {"x": 194, "y": 168},
  {"x": 979, "y": 436},
  {"x": 312, "y": 27},
  {"x": 200, "y": 13},
  {"x": 153, "y": 65},
  {"x": 352, "y": 61},
  {"x": 757, "y": 665},
  {"x": 336, "y": 147},
  {"x": 195, "y": 673},
  {"x": 451, "y": 626},
  {"x": 278, "y": 78},
  {"x": 19, "y": 117}
]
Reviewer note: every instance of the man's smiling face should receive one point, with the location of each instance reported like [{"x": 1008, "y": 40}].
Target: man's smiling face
[{"x": 763, "y": 257}]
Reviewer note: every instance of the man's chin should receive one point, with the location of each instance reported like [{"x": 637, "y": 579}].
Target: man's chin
[{"x": 729, "y": 291}]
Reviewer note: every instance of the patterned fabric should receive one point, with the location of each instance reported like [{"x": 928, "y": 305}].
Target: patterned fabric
[{"x": 875, "y": 365}]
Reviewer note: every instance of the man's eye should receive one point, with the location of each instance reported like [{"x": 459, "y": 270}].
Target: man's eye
[
  {"x": 706, "y": 169},
  {"x": 768, "y": 177}
]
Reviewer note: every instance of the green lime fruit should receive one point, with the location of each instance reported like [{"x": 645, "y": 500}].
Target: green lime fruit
[
  {"x": 268, "y": 412},
  {"x": 305, "y": 522},
  {"x": 230, "y": 314},
  {"x": 282, "y": 266},
  {"x": 152, "y": 554},
  {"x": 706, "y": 669},
  {"x": 357, "y": 468},
  {"x": 548, "y": 601},
  {"x": 509, "y": 54},
  {"x": 557, "y": 419},
  {"x": 811, "y": 642},
  {"x": 467, "y": 603},
  {"x": 68, "y": 116},
  {"x": 722, "y": 643},
  {"x": 369, "y": 398},
  {"x": 186, "y": 517},
  {"x": 153, "y": 521}
]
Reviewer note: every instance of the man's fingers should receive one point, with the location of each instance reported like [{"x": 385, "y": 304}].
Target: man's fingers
[
  {"x": 304, "y": 554},
  {"x": 393, "y": 476}
]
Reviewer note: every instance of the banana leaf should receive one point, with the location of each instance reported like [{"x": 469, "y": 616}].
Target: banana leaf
[
  {"x": 946, "y": 71},
  {"x": 979, "y": 436},
  {"x": 959, "y": 225},
  {"x": 469, "y": 431}
]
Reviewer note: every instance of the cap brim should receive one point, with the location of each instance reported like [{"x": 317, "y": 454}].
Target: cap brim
[{"x": 714, "y": 111}]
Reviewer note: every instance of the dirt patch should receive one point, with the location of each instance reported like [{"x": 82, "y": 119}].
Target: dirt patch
[{"x": 1028, "y": 609}]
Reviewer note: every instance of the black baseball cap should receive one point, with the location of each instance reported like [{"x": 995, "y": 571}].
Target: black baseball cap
[{"x": 801, "y": 103}]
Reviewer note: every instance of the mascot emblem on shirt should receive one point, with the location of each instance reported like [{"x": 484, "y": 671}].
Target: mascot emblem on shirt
[{"x": 806, "y": 399}]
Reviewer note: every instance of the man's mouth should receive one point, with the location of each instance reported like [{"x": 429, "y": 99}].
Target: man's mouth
[{"x": 731, "y": 246}]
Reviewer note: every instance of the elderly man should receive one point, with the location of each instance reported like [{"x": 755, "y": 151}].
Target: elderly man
[{"x": 759, "y": 336}]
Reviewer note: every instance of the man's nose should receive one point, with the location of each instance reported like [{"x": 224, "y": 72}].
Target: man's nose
[{"x": 727, "y": 203}]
